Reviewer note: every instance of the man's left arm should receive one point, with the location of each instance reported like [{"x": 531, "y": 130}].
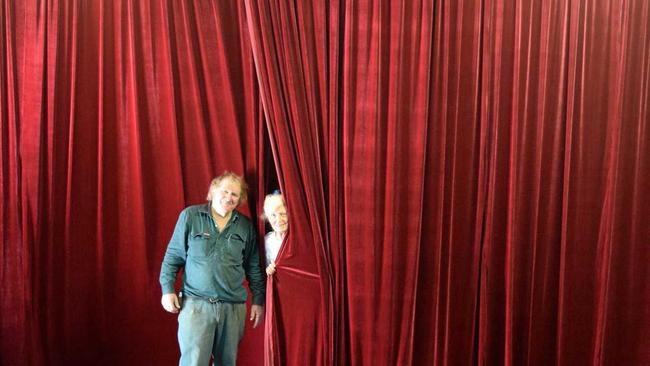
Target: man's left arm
[{"x": 256, "y": 278}]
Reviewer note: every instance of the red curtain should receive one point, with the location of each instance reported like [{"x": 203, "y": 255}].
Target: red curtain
[
  {"x": 293, "y": 76},
  {"x": 466, "y": 180},
  {"x": 115, "y": 115}
]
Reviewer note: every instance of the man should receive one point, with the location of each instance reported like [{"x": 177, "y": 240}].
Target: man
[{"x": 217, "y": 246}]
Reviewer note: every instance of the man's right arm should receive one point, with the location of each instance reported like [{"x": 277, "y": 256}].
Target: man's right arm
[{"x": 175, "y": 255}]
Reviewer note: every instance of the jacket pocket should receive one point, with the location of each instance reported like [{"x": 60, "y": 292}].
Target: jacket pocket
[
  {"x": 200, "y": 245},
  {"x": 234, "y": 248}
]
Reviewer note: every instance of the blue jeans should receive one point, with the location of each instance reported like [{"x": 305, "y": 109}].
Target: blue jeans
[{"x": 206, "y": 328}]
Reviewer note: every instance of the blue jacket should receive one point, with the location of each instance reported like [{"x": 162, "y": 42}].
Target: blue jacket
[{"x": 214, "y": 263}]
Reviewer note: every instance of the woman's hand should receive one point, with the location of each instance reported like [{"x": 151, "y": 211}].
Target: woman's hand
[{"x": 270, "y": 270}]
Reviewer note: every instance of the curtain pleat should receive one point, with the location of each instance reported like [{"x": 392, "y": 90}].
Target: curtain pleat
[
  {"x": 115, "y": 116},
  {"x": 485, "y": 163},
  {"x": 466, "y": 180}
]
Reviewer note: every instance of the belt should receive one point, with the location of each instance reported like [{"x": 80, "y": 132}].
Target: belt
[{"x": 212, "y": 300}]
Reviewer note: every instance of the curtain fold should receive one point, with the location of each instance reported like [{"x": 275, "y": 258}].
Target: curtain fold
[
  {"x": 296, "y": 115},
  {"x": 481, "y": 164},
  {"x": 466, "y": 180},
  {"x": 115, "y": 115}
]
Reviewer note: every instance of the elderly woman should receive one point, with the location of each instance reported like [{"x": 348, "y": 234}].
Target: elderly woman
[{"x": 275, "y": 213}]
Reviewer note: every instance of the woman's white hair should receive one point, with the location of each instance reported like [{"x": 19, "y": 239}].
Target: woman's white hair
[{"x": 271, "y": 201}]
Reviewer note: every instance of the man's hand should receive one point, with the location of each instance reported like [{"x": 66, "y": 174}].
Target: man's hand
[
  {"x": 257, "y": 314},
  {"x": 270, "y": 270},
  {"x": 170, "y": 303}
]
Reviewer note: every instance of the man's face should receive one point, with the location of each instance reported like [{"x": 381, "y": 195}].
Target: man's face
[
  {"x": 278, "y": 219},
  {"x": 226, "y": 196}
]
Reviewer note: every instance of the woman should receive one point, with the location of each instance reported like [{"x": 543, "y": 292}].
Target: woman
[{"x": 275, "y": 213}]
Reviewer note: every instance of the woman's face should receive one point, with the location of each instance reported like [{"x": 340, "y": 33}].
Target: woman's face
[{"x": 277, "y": 216}]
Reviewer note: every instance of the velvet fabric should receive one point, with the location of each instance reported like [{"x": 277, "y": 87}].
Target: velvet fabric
[
  {"x": 467, "y": 181},
  {"x": 115, "y": 116},
  {"x": 470, "y": 176}
]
